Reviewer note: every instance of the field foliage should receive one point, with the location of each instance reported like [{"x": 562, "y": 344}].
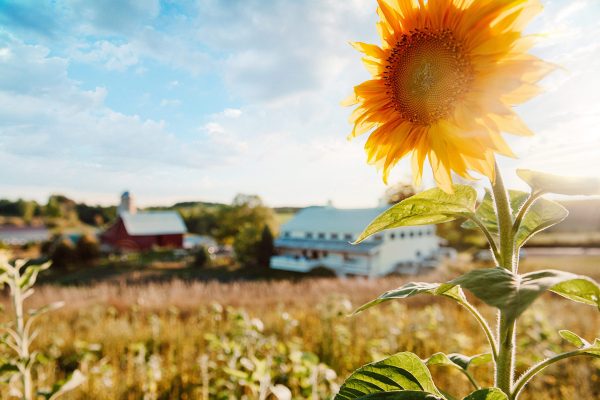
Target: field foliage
[{"x": 253, "y": 340}]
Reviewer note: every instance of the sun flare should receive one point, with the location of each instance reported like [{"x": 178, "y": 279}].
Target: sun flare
[{"x": 443, "y": 84}]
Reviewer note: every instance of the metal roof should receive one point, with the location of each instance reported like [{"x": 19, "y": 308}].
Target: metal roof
[
  {"x": 330, "y": 219},
  {"x": 153, "y": 223},
  {"x": 326, "y": 245}
]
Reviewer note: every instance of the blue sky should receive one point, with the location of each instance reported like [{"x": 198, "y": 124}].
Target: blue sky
[{"x": 200, "y": 100}]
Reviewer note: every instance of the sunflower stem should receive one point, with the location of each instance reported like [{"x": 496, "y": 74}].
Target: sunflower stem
[
  {"x": 506, "y": 327},
  {"x": 537, "y": 368}
]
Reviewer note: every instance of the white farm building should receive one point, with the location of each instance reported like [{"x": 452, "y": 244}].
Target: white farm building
[{"x": 321, "y": 237}]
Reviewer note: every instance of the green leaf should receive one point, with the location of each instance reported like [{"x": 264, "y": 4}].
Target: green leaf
[
  {"x": 487, "y": 394},
  {"x": 412, "y": 289},
  {"x": 513, "y": 293},
  {"x": 573, "y": 338},
  {"x": 8, "y": 367},
  {"x": 458, "y": 360},
  {"x": 592, "y": 349},
  {"x": 401, "y": 395},
  {"x": 486, "y": 211},
  {"x": 47, "y": 308},
  {"x": 30, "y": 275},
  {"x": 549, "y": 183},
  {"x": 62, "y": 387},
  {"x": 581, "y": 289},
  {"x": 432, "y": 206},
  {"x": 400, "y": 372},
  {"x": 542, "y": 214}
]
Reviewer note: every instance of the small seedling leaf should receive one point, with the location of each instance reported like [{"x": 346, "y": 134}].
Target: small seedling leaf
[
  {"x": 573, "y": 338},
  {"x": 487, "y": 394}
]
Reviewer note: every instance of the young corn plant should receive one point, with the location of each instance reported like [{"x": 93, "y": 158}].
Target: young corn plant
[
  {"x": 508, "y": 219},
  {"x": 19, "y": 334}
]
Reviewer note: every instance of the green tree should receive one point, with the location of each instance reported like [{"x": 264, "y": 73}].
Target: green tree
[
  {"x": 245, "y": 210},
  {"x": 245, "y": 245},
  {"x": 87, "y": 249},
  {"x": 398, "y": 192},
  {"x": 265, "y": 248},
  {"x": 63, "y": 253},
  {"x": 201, "y": 258}
]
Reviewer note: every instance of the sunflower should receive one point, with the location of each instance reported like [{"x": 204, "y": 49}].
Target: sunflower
[{"x": 443, "y": 84}]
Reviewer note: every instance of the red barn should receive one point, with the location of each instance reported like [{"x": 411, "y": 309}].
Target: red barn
[{"x": 144, "y": 230}]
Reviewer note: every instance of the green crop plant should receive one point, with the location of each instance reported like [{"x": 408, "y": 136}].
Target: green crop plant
[{"x": 19, "y": 334}]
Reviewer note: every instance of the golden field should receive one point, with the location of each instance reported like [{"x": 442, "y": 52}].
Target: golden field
[{"x": 198, "y": 340}]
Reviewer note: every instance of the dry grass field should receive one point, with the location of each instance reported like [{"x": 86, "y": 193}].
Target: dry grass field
[{"x": 214, "y": 340}]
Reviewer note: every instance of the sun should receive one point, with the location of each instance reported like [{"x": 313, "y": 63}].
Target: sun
[{"x": 443, "y": 85}]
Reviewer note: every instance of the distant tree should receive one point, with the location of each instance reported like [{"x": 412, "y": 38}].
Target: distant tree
[
  {"x": 87, "y": 248},
  {"x": 245, "y": 210},
  {"x": 62, "y": 254},
  {"x": 398, "y": 192},
  {"x": 265, "y": 248},
  {"x": 245, "y": 245},
  {"x": 201, "y": 258},
  {"x": 200, "y": 220},
  {"x": 253, "y": 246},
  {"x": 60, "y": 206},
  {"x": 95, "y": 215}
]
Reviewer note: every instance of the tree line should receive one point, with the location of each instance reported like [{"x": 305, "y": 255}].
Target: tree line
[{"x": 246, "y": 224}]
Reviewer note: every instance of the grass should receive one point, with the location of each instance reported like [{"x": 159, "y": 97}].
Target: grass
[{"x": 200, "y": 340}]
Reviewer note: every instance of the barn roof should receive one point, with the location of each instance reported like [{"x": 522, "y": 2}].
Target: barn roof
[
  {"x": 331, "y": 219},
  {"x": 153, "y": 223}
]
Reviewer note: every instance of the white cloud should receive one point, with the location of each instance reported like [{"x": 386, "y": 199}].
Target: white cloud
[
  {"x": 569, "y": 10},
  {"x": 55, "y": 134},
  {"x": 110, "y": 16},
  {"x": 281, "y": 48},
  {"x": 112, "y": 56},
  {"x": 232, "y": 112},
  {"x": 170, "y": 103}
]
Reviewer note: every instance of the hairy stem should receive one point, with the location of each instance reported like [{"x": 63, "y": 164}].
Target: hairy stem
[
  {"x": 484, "y": 326},
  {"x": 471, "y": 379},
  {"x": 537, "y": 368},
  {"x": 523, "y": 210},
  {"x": 506, "y": 354},
  {"x": 488, "y": 236},
  {"x": 506, "y": 328},
  {"x": 23, "y": 344}
]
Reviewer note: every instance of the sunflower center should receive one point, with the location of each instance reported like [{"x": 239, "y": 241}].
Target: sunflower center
[{"x": 427, "y": 72}]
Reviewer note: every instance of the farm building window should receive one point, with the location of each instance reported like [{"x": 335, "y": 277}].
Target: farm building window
[
  {"x": 286, "y": 234},
  {"x": 402, "y": 235},
  {"x": 348, "y": 236},
  {"x": 392, "y": 236},
  {"x": 334, "y": 236},
  {"x": 309, "y": 235},
  {"x": 420, "y": 233},
  {"x": 411, "y": 234},
  {"x": 321, "y": 236},
  {"x": 377, "y": 237}
]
